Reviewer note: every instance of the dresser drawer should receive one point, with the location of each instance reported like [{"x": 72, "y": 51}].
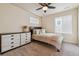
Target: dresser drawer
[
  {"x": 5, "y": 37},
  {"x": 14, "y": 45},
  {"x": 13, "y": 40},
  {"x": 23, "y": 42},
  {"x": 5, "y": 48},
  {"x": 9, "y": 41},
  {"x": 25, "y": 38},
  {"x": 23, "y": 35},
  {"x": 28, "y": 34},
  {"x": 16, "y": 41},
  {"x": 5, "y": 42},
  {"x": 27, "y": 41},
  {"x": 15, "y": 35}
]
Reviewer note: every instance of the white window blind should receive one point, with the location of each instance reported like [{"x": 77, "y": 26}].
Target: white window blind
[
  {"x": 63, "y": 24},
  {"x": 34, "y": 21}
]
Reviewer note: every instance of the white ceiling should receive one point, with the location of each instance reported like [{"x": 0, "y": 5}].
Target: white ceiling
[{"x": 59, "y": 7}]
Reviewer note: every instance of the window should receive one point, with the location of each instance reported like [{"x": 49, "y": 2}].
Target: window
[
  {"x": 63, "y": 24},
  {"x": 34, "y": 21}
]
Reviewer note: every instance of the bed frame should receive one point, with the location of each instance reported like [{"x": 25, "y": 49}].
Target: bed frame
[{"x": 31, "y": 30}]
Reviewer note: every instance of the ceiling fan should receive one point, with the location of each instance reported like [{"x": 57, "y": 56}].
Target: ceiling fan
[{"x": 45, "y": 6}]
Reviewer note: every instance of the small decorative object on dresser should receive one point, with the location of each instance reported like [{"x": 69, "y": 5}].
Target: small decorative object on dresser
[
  {"x": 25, "y": 28},
  {"x": 9, "y": 41}
]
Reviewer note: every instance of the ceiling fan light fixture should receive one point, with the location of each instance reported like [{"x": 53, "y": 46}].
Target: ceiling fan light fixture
[{"x": 45, "y": 8}]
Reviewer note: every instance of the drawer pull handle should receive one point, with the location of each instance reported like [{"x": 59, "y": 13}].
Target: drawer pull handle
[
  {"x": 12, "y": 38},
  {"x": 12, "y": 46},
  {"x": 12, "y": 42},
  {"x": 12, "y": 35}
]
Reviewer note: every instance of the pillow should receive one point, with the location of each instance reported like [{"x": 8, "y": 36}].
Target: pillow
[
  {"x": 36, "y": 31},
  {"x": 43, "y": 31}
]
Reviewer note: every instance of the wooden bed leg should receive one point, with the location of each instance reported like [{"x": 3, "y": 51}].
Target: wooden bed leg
[{"x": 58, "y": 50}]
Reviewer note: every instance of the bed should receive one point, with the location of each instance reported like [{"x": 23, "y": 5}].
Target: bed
[{"x": 50, "y": 38}]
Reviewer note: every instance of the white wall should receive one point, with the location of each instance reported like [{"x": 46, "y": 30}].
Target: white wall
[
  {"x": 48, "y": 23},
  {"x": 13, "y": 18},
  {"x": 78, "y": 26}
]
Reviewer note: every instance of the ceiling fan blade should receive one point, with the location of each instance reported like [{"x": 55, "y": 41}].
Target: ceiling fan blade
[
  {"x": 39, "y": 8},
  {"x": 45, "y": 4},
  {"x": 42, "y": 4},
  {"x": 49, "y": 3},
  {"x": 51, "y": 7}
]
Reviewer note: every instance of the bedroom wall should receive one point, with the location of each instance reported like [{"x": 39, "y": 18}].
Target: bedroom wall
[
  {"x": 12, "y": 18},
  {"x": 48, "y": 23},
  {"x": 78, "y": 26}
]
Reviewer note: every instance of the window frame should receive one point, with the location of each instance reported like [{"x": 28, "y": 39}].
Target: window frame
[
  {"x": 62, "y": 31},
  {"x": 34, "y": 21}
]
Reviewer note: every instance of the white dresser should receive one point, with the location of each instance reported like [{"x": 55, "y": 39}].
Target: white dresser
[
  {"x": 25, "y": 38},
  {"x": 9, "y": 41}
]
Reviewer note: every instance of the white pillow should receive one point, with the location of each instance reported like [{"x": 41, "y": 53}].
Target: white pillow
[
  {"x": 43, "y": 31},
  {"x": 36, "y": 31}
]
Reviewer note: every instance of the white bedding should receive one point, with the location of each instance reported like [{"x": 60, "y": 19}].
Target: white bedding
[
  {"x": 49, "y": 35},
  {"x": 50, "y": 38}
]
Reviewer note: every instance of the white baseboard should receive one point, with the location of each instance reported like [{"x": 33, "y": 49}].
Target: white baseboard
[{"x": 71, "y": 42}]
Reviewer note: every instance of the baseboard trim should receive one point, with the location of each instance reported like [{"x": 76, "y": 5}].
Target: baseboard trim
[{"x": 70, "y": 42}]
